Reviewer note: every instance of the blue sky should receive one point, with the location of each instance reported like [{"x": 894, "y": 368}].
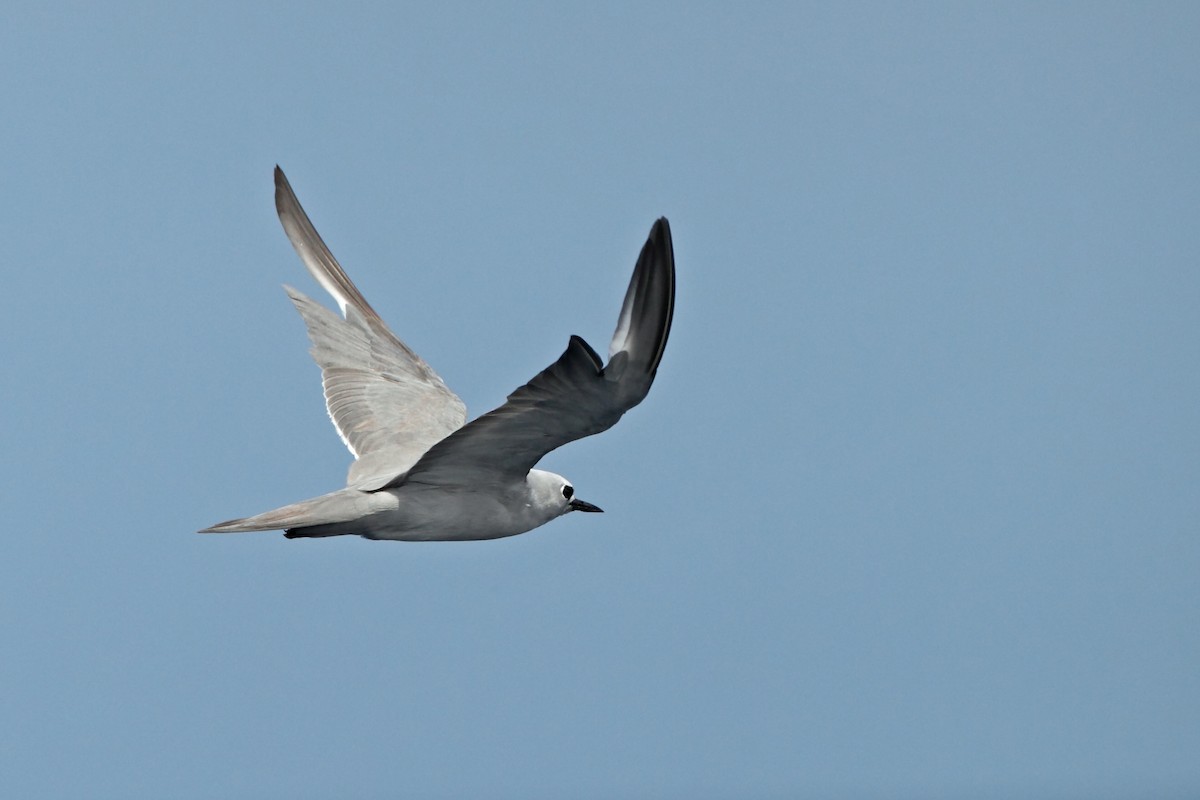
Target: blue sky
[{"x": 910, "y": 512}]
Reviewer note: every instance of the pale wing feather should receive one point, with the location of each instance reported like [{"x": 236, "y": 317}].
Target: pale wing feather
[
  {"x": 574, "y": 397},
  {"x": 386, "y": 403}
]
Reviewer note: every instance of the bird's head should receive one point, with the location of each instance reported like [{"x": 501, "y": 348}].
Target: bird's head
[{"x": 555, "y": 493}]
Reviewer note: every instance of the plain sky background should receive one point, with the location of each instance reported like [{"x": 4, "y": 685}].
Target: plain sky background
[{"x": 911, "y": 512}]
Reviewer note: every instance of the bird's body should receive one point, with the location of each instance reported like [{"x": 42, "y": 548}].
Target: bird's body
[
  {"x": 420, "y": 474},
  {"x": 415, "y": 512}
]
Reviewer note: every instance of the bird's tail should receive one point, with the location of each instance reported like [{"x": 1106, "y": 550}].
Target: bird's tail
[{"x": 341, "y": 509}]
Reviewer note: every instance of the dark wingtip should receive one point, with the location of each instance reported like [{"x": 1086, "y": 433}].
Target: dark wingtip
[
  {"x": 660, "y": 242},
  {"x": 283, "y": 189}
]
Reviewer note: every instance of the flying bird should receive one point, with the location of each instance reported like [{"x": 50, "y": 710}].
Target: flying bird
[{"x": 420, "y": 473}]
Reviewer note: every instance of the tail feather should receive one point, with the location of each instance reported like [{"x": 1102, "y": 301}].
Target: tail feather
[
  {"x": 343, "y": 509},
  {"x": 246, "y": 525},
  {"x": 261, "y": 522}
]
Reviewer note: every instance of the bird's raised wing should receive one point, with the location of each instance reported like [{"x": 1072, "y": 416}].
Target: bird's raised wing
[
  {"x": 387, "y": 404},
  {"x": 574, "y": 397}
]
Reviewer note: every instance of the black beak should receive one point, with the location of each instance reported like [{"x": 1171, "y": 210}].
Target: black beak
[{"x": 579, "y": 505}]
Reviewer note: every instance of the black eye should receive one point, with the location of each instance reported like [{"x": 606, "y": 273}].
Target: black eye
[{"x": 568, "y": 490}]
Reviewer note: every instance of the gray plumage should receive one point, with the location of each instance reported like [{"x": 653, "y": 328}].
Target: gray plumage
[{"x": 419, "y": 472}]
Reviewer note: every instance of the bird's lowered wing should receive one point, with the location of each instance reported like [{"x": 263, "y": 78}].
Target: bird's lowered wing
[
  {"x": 387, "y": 404},
  {"x": 574, "y": 397}
]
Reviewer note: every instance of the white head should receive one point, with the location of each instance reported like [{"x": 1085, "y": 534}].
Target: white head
[{"x": 554, "y": 494}]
